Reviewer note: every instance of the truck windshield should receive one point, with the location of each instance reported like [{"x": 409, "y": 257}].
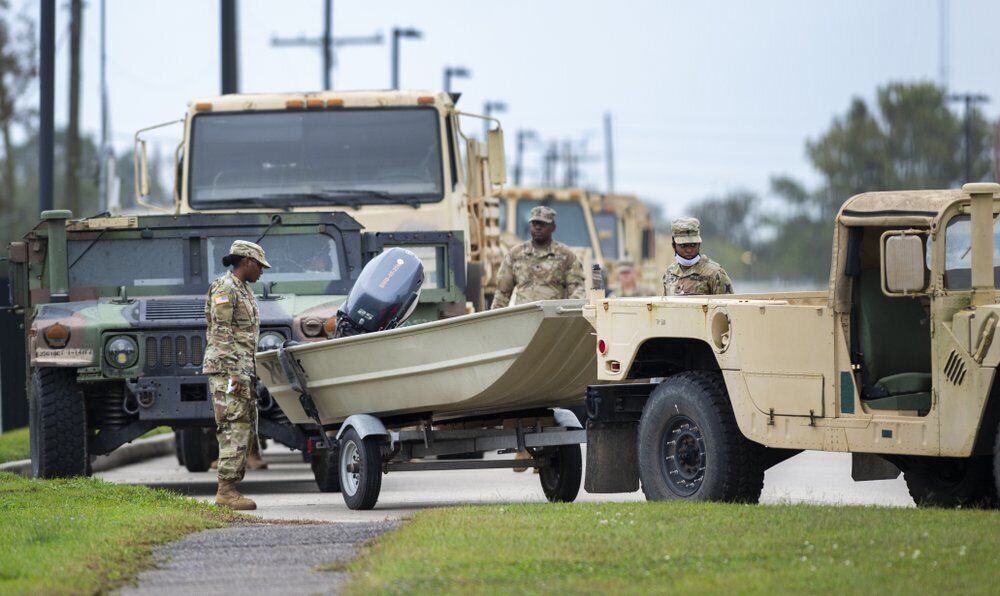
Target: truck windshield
[
  {"x": 128, "y": 262},
  {"x": 571, "y": 224},
  {"x": 293, "y": 257},
  {"x": 356, "y": 156},
  {"x": 607, "y": 233},
  {"x": 958, "y": 253}
]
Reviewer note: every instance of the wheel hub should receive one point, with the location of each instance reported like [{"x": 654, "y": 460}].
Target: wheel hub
[
  {"x": 350, "y": 467},
  {"x": 683, "y": 456}
]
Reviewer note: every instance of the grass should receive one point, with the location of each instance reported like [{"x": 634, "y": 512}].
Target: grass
[
  {"x": 14, "y": 444},
  {"x": 83, "y": 535},
  {"x": 684, "y": 548}
]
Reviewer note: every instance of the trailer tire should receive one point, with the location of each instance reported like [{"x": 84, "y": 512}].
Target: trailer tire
[
  {"x": 561, "y": 478},
  {"x": 326, "y": 470},
  {"x": 952, "y": 482},
  {"x": 690, "y": 447},
  {"x": 58, "y": 425},
  {"x": 199, "y": 448},
  {"x": 360, "y": 488}
]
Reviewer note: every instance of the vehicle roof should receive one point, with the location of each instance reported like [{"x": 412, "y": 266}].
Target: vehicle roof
[
  {"x": 926, "y": 203},
  {"x": 368, "y": 98},
  {"x": 540, "y": 193}
]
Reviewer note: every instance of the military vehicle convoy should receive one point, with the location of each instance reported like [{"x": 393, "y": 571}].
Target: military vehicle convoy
[
  {"x": 114, "y": 313},
  {"x": 896, "y": 364}
]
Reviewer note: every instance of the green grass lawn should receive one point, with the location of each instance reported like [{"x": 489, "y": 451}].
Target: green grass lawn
[
  {"x": 87, "y": 536},
  {"x": 14, "y": 445},
  {"x": 685, "y": 548}
]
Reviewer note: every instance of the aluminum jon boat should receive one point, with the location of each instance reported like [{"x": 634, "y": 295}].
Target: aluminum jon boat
[{"x": 535, "y": 355}]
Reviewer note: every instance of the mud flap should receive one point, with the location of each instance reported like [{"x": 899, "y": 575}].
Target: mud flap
[
  {"x": 868, "y": 466},
  {"x": 612, "y": 458}
]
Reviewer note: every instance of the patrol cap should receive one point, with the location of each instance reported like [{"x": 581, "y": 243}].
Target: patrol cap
[
  {"x": 686, "y": 230},
  {"x": 243, "y": 248},
  {"x": 542, "y": 214},
  {"x": 625, "y": 267}
]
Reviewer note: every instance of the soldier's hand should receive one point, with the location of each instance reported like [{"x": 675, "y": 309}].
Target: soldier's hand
[{"x": 235, "y": 383}]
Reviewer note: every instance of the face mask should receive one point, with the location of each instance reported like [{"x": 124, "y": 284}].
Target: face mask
[{"x": 687, "y": 262}]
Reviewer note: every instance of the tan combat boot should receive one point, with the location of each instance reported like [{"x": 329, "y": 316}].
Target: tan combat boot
[
  {"x": 228, "y": 496},
  {"x": 254, "y": 460}
]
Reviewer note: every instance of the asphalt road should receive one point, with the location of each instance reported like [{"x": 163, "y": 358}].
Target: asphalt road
[{"x": 286, "y": 491}]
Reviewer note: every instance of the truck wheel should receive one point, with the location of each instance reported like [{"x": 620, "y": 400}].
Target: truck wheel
[
  {"x": 996, "y": 463},
  {"x": 200, "y": 448},
  {"x": 360, "y": 469},
  {"x": 326, "y": 470},
  {"x": 58, "y": 422},
  {"x": 952, "y": 482},
  {"x": 690, "y": 446},
  {"x": 178, "y": 452},
  {"x": 561, "y": 478}
]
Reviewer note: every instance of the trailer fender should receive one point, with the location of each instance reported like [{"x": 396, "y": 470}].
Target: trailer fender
[
  {"x": 566, "y": 418},
  {"x": 366, "y": 425}
]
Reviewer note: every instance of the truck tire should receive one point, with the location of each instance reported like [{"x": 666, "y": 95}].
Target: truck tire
[
  {"x": 200, "y": 448},
  {"x": 690, "y": 447},
  {"x": 58, "y": 425},
  {"x": 561, "y": 478},
  {"x": 360, "y": 469},
  {"x": 952, "y": 482},
  {"x": 178, "y": 452},
  {"x": 996, "y": 462},
  {"x": 326, "y": 470}
]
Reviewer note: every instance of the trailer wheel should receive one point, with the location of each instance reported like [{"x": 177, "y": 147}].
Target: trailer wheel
[
  {"x": 952, "y": 482},
  {"x": 360, "y": 469},
  {"x": 561, "y": 478},
  {"x": 326, "y": 470},
  {"x": 690, "y": 446},
  {"x": 199, "y": 448},
  {"x": 58, "y": 425}
]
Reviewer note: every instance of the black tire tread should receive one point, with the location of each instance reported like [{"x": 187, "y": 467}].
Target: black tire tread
[
  {"x": 977, "y": 489},
  {"x": 569, "y": 460},
  {"x": 326, "y": 470},
  {"x": 62, "y": 426},
  {"x": 371, "y": 476}
]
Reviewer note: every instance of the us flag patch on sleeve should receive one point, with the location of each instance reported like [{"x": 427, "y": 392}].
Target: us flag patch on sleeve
[{"x": 222, "y": 299}]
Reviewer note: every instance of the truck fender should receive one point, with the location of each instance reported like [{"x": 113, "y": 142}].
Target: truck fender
[
  {"x": 566, "y": 418},
  {"x": 366, "y": 425}
]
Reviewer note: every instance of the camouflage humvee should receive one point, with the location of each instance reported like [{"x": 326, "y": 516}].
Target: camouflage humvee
[{"x": 114, "y": 312}]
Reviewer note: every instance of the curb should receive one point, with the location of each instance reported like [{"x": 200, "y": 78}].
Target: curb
[{"x": 136, "y": 451}]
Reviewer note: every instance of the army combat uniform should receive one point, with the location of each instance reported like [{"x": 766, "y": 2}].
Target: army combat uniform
[
  {"x": 704, "y": 277},
  {"x": 233, "y": 330}
]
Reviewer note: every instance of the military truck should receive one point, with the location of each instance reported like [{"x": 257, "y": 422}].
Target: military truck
[
  {"x": 114, "y": 313},
  {"x": 895, "y": 364},
  {"x": 397, "y": 161},
  {"x": 625, "y": 231}
]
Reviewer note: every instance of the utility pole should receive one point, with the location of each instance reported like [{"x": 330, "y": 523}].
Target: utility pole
[
  {"x": 490, "y": 108},
  {"x": 943, "y": 43},
  {"x": 522, "y": 136},
  {"x": 230, "y": 47},
  {"x": 609, "y": 152},
  {"x": 457, "y": 72},
  {"x": 106, "y": 155},
  {"x": 327, "y": 44},
  {"x": 46, "y": 100},
  {"x": 549, "y": 159},
  {"x": 397, "y": 33},
  {"x": 969, "y": 99},
  {"x": 72, "y": 173}
]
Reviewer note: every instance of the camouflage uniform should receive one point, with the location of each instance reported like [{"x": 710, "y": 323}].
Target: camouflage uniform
[
  {"x": 549, "y": 272},
  {"x": 233, "y": 330},
  {"x": 704, "y": 277}
]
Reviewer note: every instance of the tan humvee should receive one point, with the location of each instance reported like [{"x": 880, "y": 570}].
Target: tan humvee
[
  {"x": 895, "y": 363},
  {"x": 396, "y": 161}
]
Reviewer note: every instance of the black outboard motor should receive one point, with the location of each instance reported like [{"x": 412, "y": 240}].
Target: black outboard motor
[{"x": 384, "y": 296}]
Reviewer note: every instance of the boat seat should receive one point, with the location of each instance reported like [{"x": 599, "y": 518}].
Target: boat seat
[{"x": 895, "y": 342}]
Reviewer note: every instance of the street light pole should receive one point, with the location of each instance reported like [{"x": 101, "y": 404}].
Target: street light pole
[
  {"x": 458, "y": 72},
  {"x": 969, "y": 99},
  {"x": 327, "y": 45},
  {"x": 46, "y": 108},
  {"x": 489, "y": 108},
  {"x": 398, "y": 33},
  {"x": 522, "y": 136}
]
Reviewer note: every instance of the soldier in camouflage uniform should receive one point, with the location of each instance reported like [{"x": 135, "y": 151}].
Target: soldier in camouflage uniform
[
  {"x": 541, "y": 268},
  {"x": 693, "y": 272},
  {"x": 233, "y": 330}
]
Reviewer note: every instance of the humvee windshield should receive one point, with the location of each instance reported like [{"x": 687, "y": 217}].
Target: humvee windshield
[
  {"x": 299, "y": 257},
  {"x": 571, "y": 224},
  {"x": 958, "y": 253},
  {"x": 607, "y": 233},
  {"x": 344, "y": 157}
]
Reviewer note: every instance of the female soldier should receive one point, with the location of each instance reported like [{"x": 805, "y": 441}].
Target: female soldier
[{"x": 233, "y": 329}]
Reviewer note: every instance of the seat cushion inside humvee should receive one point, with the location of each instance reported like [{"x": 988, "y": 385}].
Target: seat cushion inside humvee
[{"x": 907, "y": 401}]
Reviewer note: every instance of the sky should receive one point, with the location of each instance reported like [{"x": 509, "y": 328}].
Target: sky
[{"x": 706, "y": 97}]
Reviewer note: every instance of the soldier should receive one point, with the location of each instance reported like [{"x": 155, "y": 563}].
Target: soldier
[
  {"x": 233, "y": 329},
  {"x": 693, "y": 273},
  {"x": 628, "y": 285},
  {"x": 541, "y": 268}
]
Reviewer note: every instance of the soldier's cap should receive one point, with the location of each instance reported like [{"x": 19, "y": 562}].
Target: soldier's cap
[
  {"x": 686, "y": 230},
  {"x": 243, "y": 248},
  {"x": 625, "y": 267},
  {"x": 543, "y": 214}
]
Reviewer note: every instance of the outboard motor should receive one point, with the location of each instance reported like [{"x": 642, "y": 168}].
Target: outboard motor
[{"x": 384, "y": 296}]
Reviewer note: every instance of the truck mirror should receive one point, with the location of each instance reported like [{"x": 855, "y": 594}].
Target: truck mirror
[
  {"x": 495, "y": 153},
  {"x": 903, "y": 269},
  {"x": 141, "y": 169}
]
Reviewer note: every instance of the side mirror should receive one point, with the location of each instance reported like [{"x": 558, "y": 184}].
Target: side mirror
[
  {"x": 495, "y": 154},
  {"x": 903, "y": 268},
  {"x": 141, "y": 169}
]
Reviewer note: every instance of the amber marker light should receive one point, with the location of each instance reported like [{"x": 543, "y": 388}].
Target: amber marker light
[
  {"x": 295, "y": 104},
  {"x": 425, "y": 99},
  {"x": 330, "y": 326},
  {"x": 56, "y": 335},
  {"x": 334, "y": 103},
  {"x": 315, "y": 104},
  {"x": 203, "y": 106}
]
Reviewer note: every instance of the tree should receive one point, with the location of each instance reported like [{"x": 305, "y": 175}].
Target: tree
[
  {"x": 731, "y": 217},
  {"x": 18, "y": 70}
]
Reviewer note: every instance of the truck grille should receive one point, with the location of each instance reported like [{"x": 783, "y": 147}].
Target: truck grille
[
  {"x": 168, "y": 351},
  {"x": 159, "y": 310}
]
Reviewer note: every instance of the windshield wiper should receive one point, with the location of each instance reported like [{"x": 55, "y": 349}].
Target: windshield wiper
[
  {"x": 373, "y": 193},
  {"x": 323, "y": 197}
]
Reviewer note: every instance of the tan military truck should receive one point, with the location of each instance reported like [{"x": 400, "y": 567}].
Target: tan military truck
[
  {"x": 396, "y": 161},
  {"x": 626, "y": 234},
  {"x": 895, "y": 364}
]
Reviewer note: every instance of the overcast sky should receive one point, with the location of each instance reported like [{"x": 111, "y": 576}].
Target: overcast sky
[{"x": 706, "y": 96}]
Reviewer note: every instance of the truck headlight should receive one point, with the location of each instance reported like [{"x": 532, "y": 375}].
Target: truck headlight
[
  {"x": 270, "y": 341},
  {"x": 121, "y": 351}
]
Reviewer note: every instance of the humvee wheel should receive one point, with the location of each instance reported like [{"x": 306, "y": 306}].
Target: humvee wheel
[
  {"x": 199, "y": 448},
  {"x": 326, "y": 470},
  {"x": 690, "y": 446},
  {"x": 58, "y": 423},
  {"x": 561, "y": 478},
  {"x": 360, "y": 469},
  {"x": 952, "y": 482}
]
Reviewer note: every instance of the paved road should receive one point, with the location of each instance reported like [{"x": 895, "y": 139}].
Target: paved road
[{"x": 286, "y": 491}]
